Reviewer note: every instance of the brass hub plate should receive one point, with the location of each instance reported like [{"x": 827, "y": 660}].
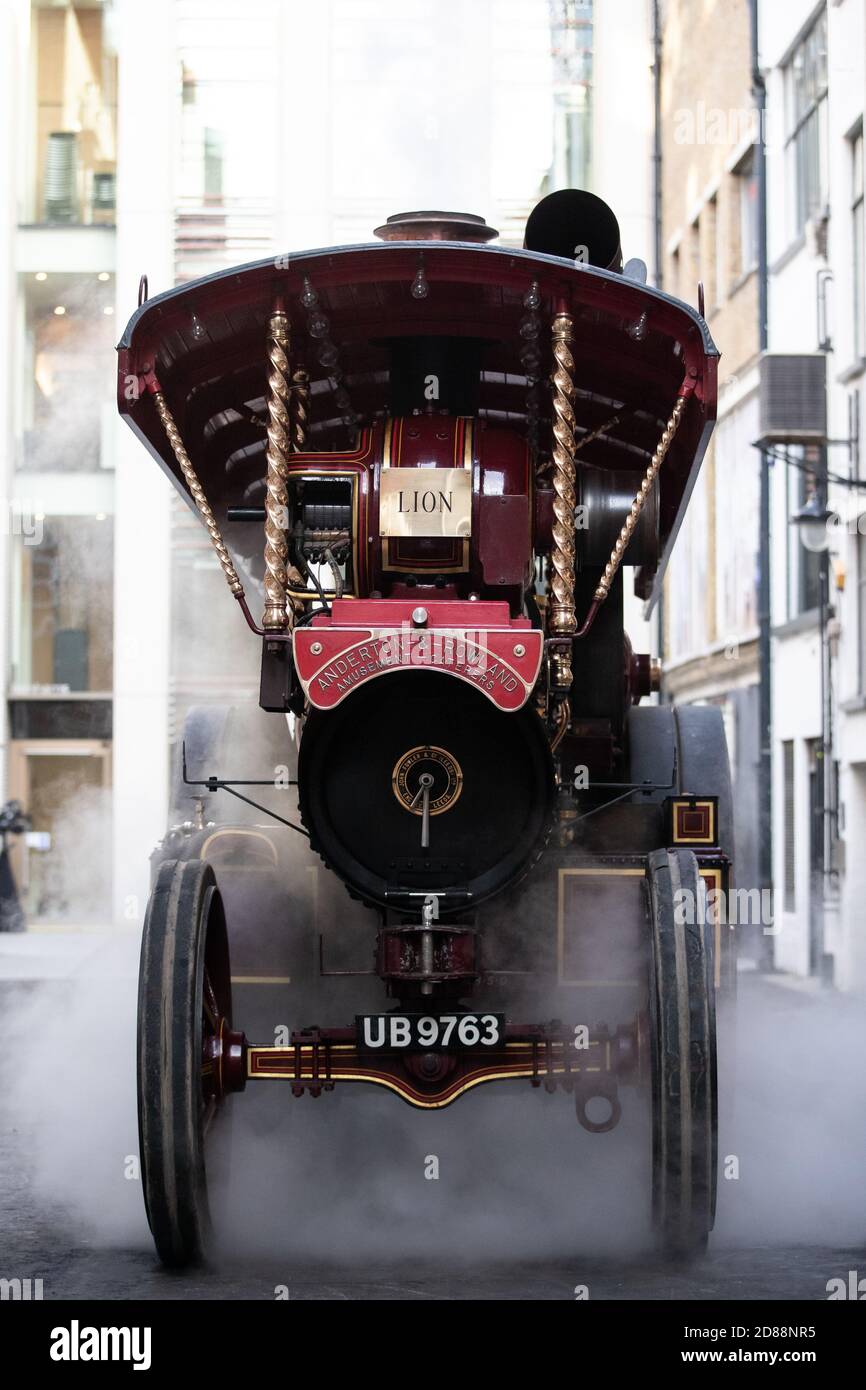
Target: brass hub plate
[{"x": 439, "y": 764}]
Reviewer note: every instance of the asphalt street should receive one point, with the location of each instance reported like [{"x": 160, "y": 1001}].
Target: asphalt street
[{"x": 333, "y": 1199}]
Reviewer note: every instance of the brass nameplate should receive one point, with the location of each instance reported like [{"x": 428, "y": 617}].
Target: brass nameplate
[{"x": 425, "y": 502}]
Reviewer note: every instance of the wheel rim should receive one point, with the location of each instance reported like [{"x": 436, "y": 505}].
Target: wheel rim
[{"x": 216, "y": 1007}]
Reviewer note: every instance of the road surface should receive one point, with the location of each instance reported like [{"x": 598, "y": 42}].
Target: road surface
[{"x": 358, "y": 1197}]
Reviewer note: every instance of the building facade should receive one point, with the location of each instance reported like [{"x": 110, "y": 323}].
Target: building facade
[
  {"x": 811, "y": 62},
  {"x": 814, "y": 59},
  {"x": 710, "y": 238},
  {"x": 57, "y": 309},
  {"x": 170, "y": 141}
]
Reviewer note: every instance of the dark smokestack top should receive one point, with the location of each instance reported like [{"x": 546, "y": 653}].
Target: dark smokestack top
[{"x": 577, "y": 225}]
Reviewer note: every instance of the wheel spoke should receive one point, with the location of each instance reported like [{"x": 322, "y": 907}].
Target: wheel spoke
[
  {"x": 207, "y": 1119},
  {"x": 209, "y": 1005}
]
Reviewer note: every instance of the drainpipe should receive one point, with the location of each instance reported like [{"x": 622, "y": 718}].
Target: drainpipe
[
  {"x": 765, "y": 693},
  {"x": 657, "y": 249},
  {"x": 657, "y": 144}
]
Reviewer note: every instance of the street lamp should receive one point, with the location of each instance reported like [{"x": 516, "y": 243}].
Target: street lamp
[{"x": 813, "y": 524}]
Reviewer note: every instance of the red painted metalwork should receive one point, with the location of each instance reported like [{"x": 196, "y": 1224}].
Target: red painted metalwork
[
  {"x": 475, "y": 642},
  {"x": 214, "y": 377},
  {"x": 455, "y": 956},
  {"x": 543, "y": 1054}
]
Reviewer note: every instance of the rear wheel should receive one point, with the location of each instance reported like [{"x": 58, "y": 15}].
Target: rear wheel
[
  {"x": 683, "y": 1056},
  {"x": 185, "y": 1051}
]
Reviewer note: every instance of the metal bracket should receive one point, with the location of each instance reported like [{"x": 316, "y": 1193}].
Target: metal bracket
[{"x": 221, "y": 784}]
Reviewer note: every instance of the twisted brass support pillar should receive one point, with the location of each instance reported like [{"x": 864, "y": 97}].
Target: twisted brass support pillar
[
  {"x": 631, "y": 521},
  {"x": 299, "y": 409},
  {"x": 637, "y": 505},
  {"x": 276, "y": 615},
  {"x": 562, "y": 621},
  {"x": 198, "y": 496}
]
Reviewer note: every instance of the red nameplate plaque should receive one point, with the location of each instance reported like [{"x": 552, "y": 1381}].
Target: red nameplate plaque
[{"x": 503, "y": 663}]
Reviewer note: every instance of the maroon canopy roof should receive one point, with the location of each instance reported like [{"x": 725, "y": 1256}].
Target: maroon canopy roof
[{"x": 206, "y": 342}]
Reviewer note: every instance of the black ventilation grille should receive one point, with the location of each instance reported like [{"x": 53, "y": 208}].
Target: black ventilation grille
[{"x": 793, "y": 397}]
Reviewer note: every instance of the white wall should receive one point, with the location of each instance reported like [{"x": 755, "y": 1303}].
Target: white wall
[
  {"x": 147, "y": 87},
  {"x": 622, "y": 120},
  {"x": 622, "y": 137},
  {"x": 793, "y": 327},
  {"x": 14, "y": 31}
]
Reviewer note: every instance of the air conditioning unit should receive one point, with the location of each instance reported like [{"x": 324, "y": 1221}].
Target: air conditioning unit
[{"x": 793, "y": 398}]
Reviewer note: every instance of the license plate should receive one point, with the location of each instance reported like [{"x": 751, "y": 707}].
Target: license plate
[{"x": 426, "y": 1032}]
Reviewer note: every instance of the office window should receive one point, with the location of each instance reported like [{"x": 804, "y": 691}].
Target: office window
[
  {"x": 63, "y": 605},
  {"x": 858, "y": 244},
  {"x": 692, "y": 266},
  {"x": 72, "y": 171},
  {"x": 746, "y": 192},
  {"x": 67, "y": 371},
  {"x": 804, "y": 566},
  {"x": 861, "y": 610},
  {"x": 229, "y": 126},
  {"x": 686, "y": 590},
  {"x": 65, "y": 785},
  {"x": 737, "y": 504},
  {"x": 790, "y": 899},
  {"x": 712, "y": 276},
  {"x": 806, "y": 120}
]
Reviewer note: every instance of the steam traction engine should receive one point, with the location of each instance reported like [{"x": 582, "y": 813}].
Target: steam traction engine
[{"x": 452, "y": 449}]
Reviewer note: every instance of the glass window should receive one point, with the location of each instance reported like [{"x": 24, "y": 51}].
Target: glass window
[
  {"x": 747, "y": 214},
  {"x": 74, "y": 114},
  {"x": 674, "y": 286},
  {"x": 230, "y": 124},
  {"x": 63, "y": 606},
  {"x": 689, "y": 291},
  {"x": 686, "y": 588},
  {"x": 806, "y": 84},
  {"x": 737, "y": 506},
  {"x": 67, "y": 371},
  {"x": 711, "y": 269},
  {"x": 63, "y": 870},
  {"x": 804, "y": 566},
  {"x": 789, "y": 843},
  {"x": 858, "y": 245},
  {"x": 861, "y": 607}
]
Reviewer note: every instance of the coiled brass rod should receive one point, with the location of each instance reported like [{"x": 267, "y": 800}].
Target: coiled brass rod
[
  {"x": 198, "y": 494},
  {"x": 637, "y": 505},
  {"x": 299, "y": 409},
  {"x": 276, "y": 615},
  {"x": 625, "y": 535}
]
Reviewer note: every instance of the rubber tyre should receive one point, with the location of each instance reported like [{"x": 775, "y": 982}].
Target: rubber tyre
[
  {"x": 683, "y": 1057},
  {"x": 184, "y": 935}
]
